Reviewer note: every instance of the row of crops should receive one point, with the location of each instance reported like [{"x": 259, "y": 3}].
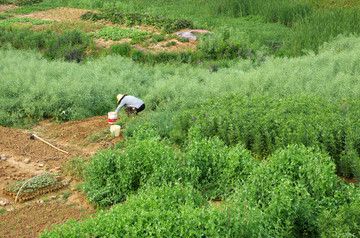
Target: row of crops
[
  {"x": 273, "y": 161},
  {"x": 269, "y": 138},
  {"x": 161, "y": 190}
]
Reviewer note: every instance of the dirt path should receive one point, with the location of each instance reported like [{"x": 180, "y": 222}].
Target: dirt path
[{"x": 23, "y": 158}]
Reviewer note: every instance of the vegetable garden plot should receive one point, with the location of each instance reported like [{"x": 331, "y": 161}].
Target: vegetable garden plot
[{"x": 29, "y": 189}]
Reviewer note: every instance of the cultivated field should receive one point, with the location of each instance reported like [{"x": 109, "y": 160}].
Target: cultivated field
[{"x": 250, "y": 127}]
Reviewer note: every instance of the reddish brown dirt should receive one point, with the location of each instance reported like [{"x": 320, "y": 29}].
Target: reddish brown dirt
[{"x": 80, "y": 139}]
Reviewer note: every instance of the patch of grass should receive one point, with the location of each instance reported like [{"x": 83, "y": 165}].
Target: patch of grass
[
  {"x": 60, "y": 27},
  {"x": 24, "y": 2},
  {"x": 158, "y": 37},
  {"x": 117, "y": 33},
  {"x": 2, "y": 211},
  {"x": 5, "y": 16},
  {"x": 182, "y": 39},
  {"x": 99, "y": 136},
  {"x": 78, "y": 187},
  {"x": 336, "y": 3},
  {"x": 66, "y": 195},
  {"x": 33, "y": 8},
  {"x": 75, "y": 168},
  {"x": 24, "y": 20}
]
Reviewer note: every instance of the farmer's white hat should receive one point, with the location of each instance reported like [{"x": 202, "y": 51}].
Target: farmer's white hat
[{"x": 119, "y": 97}]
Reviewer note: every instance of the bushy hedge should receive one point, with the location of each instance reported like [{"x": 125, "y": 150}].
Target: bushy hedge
[
  {"x": 167, "y": 211},
  {"x": 266, "y": 124},
  {"x": 294, "y": 193},
  {"x": 207, "y": 164}
]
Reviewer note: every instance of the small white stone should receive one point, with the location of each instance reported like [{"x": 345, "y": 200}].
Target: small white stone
[
  {"x": 3, "y": 157},
  {"x": 27, "y": 160},
  {"x": 41, "y": 165},
  {"x": 2, "y": 203}
]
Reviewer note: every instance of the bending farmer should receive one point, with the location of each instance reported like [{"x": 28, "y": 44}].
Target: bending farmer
[{"x": 132, "y": 104}]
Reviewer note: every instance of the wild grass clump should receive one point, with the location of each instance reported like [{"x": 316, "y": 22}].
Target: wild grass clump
[
  {"x": 69, "y": 46},
  {"x": 26, "y": 9},
  {"x": 166, "y": 25},
  {"x": 24, "y": 2}
]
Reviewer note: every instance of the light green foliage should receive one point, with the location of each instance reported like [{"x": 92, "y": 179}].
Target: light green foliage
[
  {"x": 265, "y": 124},
  {"x": 4, "y": 16},
  {"x": 166, "y": 211},
  {"x": 17, "y": 20},
  {"x": 32, "y": 8},
  {"x": 25, "y": 2},
  {"x": 341, "y": 222},
  {"x": 207, "y": 164},
  {"x": 117, "y": 33},
  {"x": 284, "y": 196}
]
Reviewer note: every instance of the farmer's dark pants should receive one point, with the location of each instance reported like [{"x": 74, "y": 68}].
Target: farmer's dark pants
[{"x": 141, "y": 108}]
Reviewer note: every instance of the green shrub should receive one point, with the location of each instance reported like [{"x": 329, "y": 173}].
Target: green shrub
[
  {"x": 292, "y": 188},
  {"x": 117, "y": 33},
  {"x": 158, "y": 37},
  {"x": 214, "y": 168},
  {"x": 121, "y": 49},
  {"x": 5, "y": 16},
  {"x": 168, "y": 211},
  {"x": 25, "y": 2},
  {"x": 341, "y": 222},
  {"x": 166, "y": 25},
  {"x": 183, "y": 39},
  {"x": 113, "y": 174},
  {"x": 33, "y": 8},
  {"x": 70, "y": 46},
  {"x": 207, "y": 164}
]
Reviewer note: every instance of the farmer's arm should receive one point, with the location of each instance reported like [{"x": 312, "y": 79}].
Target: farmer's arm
[{"x": 122, "y": 103}]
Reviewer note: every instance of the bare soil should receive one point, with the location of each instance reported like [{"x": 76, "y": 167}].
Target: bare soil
[{"x": 26, "y": 158}]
